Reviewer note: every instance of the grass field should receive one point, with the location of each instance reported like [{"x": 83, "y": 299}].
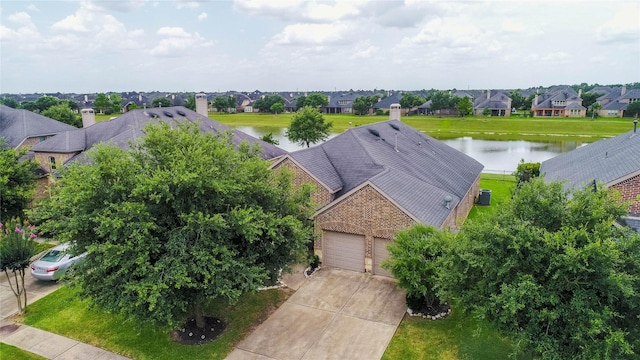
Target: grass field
[
  {"x": 13, "y": 353},
  {"x": 64, "y": 313},
  {"x": 479, "y": 127}
]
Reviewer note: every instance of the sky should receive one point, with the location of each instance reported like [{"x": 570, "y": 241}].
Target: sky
[{"x": 91, "y": 46}]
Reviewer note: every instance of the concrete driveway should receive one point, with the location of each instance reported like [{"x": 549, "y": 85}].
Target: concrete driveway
[
  {"x": 36, "y": 289},
  {"x": 337, "y": 314}
]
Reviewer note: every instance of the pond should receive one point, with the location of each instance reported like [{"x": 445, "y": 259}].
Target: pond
[{"x": 496, "y": 156}]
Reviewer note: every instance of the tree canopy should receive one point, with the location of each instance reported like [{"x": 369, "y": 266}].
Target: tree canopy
[
  {"x": 266, "y": 102},
  {"x": 633, "y": 109},
  {"x": 550, "y": 268},
  {"x": 362, "y": 104},
  {"x": 17, "y": 247},
  {"x": 308, "y": 127},
  {"x": 315, "y": 100},
  {"x": 17, "y": 181},
  {"x": 442, "y": 100},
  {"x": 63, "y": 113},
  {"x": 182, "y": 218},
  {"x": 190, "y": 102},
  {"x": 161, "y": 102},
  {"x": 464, "y": 106},
  {"x": 410, "y": 100}
]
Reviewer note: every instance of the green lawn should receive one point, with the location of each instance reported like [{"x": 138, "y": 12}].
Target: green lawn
[
  {"x": 501, "y": 187},
  {"x": 63, "y": 313},
  {"x": 11, "y": 352},
  {"x": 458, "y": 336}
]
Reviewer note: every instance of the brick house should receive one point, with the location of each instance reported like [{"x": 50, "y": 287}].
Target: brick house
[
  {"x": 612, "y": 162},
  {"x": 564, "y": 102},
  {"x": 374, "y": 180},
  {"x": 615, "y": 102},
  {"x": 23, "y": 128}
]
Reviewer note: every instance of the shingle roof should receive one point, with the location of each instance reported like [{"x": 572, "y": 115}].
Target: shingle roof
[
  {"x": 417, "y": 176},
  {"x": 387, "y": 102},
  {"x": 575, "y": 106},
  {"x": 17, "y": 125},
  {"x": 631, "y": 94},
  {"x": 128, "y": 127},
  {"x": 605, "y": 161},
  {"x": 615, "y": 105}
]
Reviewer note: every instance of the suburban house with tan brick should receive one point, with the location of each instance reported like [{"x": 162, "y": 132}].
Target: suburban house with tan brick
[
  {"x": 564, "y": 102},
  {"x": 376, "y": 179},
  {"x": 498, "y": 102},
  {"x": 612, "y": 162}
]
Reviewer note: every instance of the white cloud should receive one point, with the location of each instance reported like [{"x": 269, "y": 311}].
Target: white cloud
[
  {"x": 509, "y": 25},
  {"x": 202, "y": 16},
  {"x": 365, "y": 53},
  {"x": 187, "y": 4},
  {"x": 32, "y": 7},
  {"x": 78, "y": 22},
  {"x": 25, "y": 31},
  {"x": 173, "y": 32},
  {"x": 311, "y": 34},
  {"x": 624, "y": 26},
  {"x": 176, "y": 41},
  {"x": 113, "y": 5}
]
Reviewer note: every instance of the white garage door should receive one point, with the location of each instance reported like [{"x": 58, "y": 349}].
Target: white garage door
[
  {"x": 380, "y": 253},
  {"x": 342, "y": 250}
]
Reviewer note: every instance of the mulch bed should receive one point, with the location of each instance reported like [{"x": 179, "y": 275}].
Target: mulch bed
[{"x": 191, "y": 334}]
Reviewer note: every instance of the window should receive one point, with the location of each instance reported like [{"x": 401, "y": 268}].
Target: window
[
  {"x": 52, "y": 162},
  {"x": 42, "y": 138}
]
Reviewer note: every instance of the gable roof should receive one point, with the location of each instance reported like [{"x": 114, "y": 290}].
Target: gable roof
[
  {"x": 128, "y": 127},
  {"x": 387, "y": 102},
  {"x": 608, "y": 161},
  {"x": 417, "y": 172},
  {"x": 16, "y": 125}
]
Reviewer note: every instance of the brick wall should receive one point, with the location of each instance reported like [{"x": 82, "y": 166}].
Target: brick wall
[
  {"x": 43, "y": 159},
  {"x": 461, "y": 211},
  {"x": 365, "y": 212},
  {"x": 630, "y": 189},
  {"x": 320, "y": 196}
]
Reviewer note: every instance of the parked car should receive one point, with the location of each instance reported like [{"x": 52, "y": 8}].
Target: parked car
[{"x": 54, "y": 263}]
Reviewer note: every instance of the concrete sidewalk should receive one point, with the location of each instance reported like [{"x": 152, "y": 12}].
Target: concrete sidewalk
[
  {"x": 43, "y": 343},
  {"x": 49, "y": 345}
]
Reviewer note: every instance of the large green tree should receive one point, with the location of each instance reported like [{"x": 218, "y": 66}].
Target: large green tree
[
  {"x": 63, "y": 113},
  {"x": 441, "y": 100},
  {"x": 410, "y": 100},
  {"x": 101, "y": 102},
  {"x": 550, "y": 268},
  {"x": 316, "y": 100},
  {"x": 190, "y": 102},
  {"x": 633, "y": 110},
  {"x": 45, "y": 102},
  {"x": 362, "y": 104},
  {"x": 115, "y": 101},
  {"x": 10, "y": 102},
  {"x": 464, "y": 106},
  {"x": 161, "y": 102},
  {"x": 17, "y": 181},
  {"x": 518, "y": 101},
  {"x": 181, "y": 219},
  {"x": 264, "y": 103},
  {"x": 308, "y": 127}
]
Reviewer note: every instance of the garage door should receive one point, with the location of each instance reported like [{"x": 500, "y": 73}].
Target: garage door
[
  {"x": 342, "y": 250},
  {"x": 380, "y": 253}
]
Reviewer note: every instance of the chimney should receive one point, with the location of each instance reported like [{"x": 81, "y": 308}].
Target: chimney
[
  {"x": 86, "y": 98},
  {"x": 201, "y": 105},
  {"x": 580, "y": 93},
  {"x": 394, "y": 112},
  {"x": 535, "y": 100},
  {"x": 635, "y": 124},
  {"x": 488, "y": 94},
  {"x": 88, "y": 117},
  {"x": 140, "y": 97},
  {"x": 624, "y": 90}
]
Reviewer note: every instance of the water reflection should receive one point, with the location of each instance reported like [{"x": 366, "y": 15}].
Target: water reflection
[{"x": 496, "y": 156}]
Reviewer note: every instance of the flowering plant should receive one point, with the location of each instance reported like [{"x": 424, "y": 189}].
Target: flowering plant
[{"x": 16, "y": 228}]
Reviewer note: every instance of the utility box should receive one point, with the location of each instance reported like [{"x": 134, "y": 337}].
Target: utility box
[{"x": 485, "y": 197}]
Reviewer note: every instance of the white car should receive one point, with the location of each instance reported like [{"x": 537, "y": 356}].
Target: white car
[{"x": 54, "y": 263}]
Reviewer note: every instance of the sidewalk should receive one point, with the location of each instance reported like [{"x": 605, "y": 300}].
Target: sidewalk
[
  {"x": 50, "y": 345},
  {"x": 43, "y": 343}
]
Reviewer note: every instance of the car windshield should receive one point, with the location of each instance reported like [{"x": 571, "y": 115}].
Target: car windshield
[{"x": 53, "y": 256}]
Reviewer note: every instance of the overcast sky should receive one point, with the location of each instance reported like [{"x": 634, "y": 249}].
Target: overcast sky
[{"x": 272, "y": 45}]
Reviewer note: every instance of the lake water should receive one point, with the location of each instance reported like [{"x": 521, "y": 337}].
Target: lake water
[{"x": 496, "y": 156}]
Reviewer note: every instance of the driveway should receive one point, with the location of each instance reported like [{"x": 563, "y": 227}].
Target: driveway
[
  {"x": 336, "y": 314},
  {"x": 36, "y": 289}
]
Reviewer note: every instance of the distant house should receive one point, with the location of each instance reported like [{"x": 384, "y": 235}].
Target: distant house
[
  {"x": 374, "y": 180},
  {"x": 615, "y": 102},
  {"x": 23, "y": 128},
  {"x": 69, "y": 146},
  {"x": 341, "y": 104},
  {"x": 498, "y": 103},
  {"x": 613, "y": 162},
  {"x": 564, "y": 102},
  {"x": 385, "y": 103}
]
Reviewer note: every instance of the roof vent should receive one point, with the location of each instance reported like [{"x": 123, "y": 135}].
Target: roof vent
[
  {"x": 395, "y": 126},
  {"x": 181, "y": 113},
  {"x": 167, "y": 114},
  {"x": 152, "y": 115},
  {"x": 374, "y": 132}
]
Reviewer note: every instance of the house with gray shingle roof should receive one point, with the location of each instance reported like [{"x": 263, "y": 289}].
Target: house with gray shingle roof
[
  {"x": 72, "y": 145},
  {"x": 615, "y": 103},
  {"x": 562, "y": 102},
  {"x": 498, "y": 103},
  {"x": 23, "y": 128},
  {"x": 613, "y": 162},
  {"x": 374, "y": 180}
]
